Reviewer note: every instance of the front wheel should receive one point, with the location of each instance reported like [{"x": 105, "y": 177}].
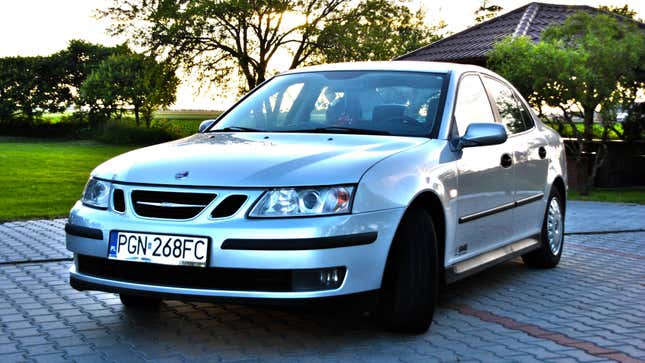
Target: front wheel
[
  {"x": 552, "y": 235},
  {"x": 410, "y": 282}
]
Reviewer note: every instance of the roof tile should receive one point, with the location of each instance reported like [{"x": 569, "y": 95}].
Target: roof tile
[{"x": 475, "y": 42}]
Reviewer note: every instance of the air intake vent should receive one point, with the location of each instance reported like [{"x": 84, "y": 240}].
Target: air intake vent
[
  {"x": 229, "y": 206},
  {"x": 118, "y": 200},
  {"x": 170, "y": 205}
]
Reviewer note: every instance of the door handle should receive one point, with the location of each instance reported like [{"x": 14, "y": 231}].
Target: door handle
[
  {"x": 542, "y": 152},
  {"x": 506, "y": 161}
]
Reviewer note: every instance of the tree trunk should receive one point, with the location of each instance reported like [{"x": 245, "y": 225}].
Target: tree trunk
[
  {"x": 147, "y": 116},
  {"x": 136, "y": 114},
  {"x": 588, "y": 122},
  {"x": 596, "y": 162}
]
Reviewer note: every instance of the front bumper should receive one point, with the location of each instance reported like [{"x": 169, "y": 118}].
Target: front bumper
[{"x": 364, "y": 263}]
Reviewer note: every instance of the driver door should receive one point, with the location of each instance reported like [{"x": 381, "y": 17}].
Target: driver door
[{"x": 485, "y": 178}]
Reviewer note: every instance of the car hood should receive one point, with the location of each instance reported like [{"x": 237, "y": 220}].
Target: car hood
[{"x": 255, "y": 159}]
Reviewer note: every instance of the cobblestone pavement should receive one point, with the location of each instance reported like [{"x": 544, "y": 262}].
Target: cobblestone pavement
[
  {"x": 589, "y": 308},
  {"x": 586, "y": 217},
  {"x": 33, "y": 240}
]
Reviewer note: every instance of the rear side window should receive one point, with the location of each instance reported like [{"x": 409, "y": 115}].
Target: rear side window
[
  {"x": 512, "y": 113},
  {"x": 472, "y": 104}
]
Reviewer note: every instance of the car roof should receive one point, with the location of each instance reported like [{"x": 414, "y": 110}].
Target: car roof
[{"x": 409, "y": 66}]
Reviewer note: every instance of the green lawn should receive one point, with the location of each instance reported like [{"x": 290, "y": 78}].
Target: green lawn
[
  {"x": 625, "y": 195},
  {"x": 43, "y": 178}
]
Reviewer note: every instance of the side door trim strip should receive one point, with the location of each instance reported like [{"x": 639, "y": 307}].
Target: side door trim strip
[{"x": 501, "y": 208}]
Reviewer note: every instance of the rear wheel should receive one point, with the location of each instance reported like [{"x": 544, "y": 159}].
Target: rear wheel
[
  {"x": 410, "y": 282},
  {"x": 552, "y": 235},
  {"x": 138, "y": 301}
]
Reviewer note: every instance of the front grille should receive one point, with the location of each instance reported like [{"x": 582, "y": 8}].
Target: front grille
[
  {"x": 169, "y": 205},
  {"x": 229, "y": 206},
  {"x": 187, "y": 276},
  {"x": 118, "y": 200}
]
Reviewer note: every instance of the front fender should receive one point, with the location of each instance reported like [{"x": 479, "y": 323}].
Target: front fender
[{"x": 395, "y": 181}]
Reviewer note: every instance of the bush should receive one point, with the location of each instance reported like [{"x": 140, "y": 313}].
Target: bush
[
  {"x": 565, "y": 130},
  {"x": 69, "y": 127},
  {"x": 119, "y": 132},
  {"x": 178, "y": 128},
  {"x": 125, "y": 133}
]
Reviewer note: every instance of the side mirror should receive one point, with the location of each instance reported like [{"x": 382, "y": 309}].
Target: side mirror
[
  {"x": 205, "y": 125},
  {"x": 481, "y": 134}
]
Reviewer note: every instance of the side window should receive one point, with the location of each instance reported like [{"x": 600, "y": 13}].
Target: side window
[
  {"x": 273, "y": 111},
  {"x": 526, "y": 114},
  {"x": 511, "y": 112},
  {"x": 472, "y": 104}
]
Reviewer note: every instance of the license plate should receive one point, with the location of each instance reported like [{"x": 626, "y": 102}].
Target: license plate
[{"x": 158, "y": 248}]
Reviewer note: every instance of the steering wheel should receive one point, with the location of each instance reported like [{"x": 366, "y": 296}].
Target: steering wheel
[{"x": 405, "y": 121}]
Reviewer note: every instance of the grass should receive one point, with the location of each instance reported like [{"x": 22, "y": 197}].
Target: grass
[
  {"x": 623, "y": 195},
  {"x": 43, "y": 178}
]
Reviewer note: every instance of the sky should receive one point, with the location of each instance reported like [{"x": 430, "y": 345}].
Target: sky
[{"x": 42, "y": 27}]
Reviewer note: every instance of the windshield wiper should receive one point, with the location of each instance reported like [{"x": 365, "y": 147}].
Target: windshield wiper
[
  {"x": 342, "y": 129},
  {"x": 236, "y": 128}
]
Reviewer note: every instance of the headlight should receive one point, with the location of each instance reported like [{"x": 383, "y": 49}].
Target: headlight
[
  {"x": 297, "y": 202},
  {"x": 96, "y": 193}
]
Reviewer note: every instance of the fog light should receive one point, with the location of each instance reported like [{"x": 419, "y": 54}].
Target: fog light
[{"x": 318, "y": 279}]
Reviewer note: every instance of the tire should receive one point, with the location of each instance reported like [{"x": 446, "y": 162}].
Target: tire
[
  {"x": 137, "y": 301},
  {"x": 410, "y": 282},
  {"x": 548, "y": 256}
]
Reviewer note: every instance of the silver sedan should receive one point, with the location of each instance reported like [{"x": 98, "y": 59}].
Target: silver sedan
[{"x": 380, "y": 180}]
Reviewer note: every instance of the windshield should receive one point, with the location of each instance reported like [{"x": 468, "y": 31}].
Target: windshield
[{"x": 371, "y": 102}]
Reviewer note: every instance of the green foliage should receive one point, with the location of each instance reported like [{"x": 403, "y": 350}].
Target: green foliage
[
  {"x": 374, "y": 30},
  {"x": 81, "y": 58},
  {"x": 131, "y": 79},
  {"x": 566, "y": 130},
  {"x": 72, "y": 126},
  {"x": 486, "y": 11},
  {"x": 30, "y": 86},
  {"x": 165, "y": 126},
  {"x": 125, "y": 134},
  {"x": 587, "y": 62},
  {"x": 624, "y": 10}
]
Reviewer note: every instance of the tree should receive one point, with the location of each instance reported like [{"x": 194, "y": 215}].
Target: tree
[
  {"x": 587, "y": 64},
  {"x": 624, "y": 10},
  {"x": 31, "y": 85},
  {"x": 221, "y": 37},
  {"x": 81, "y": 58},
  {"x": 374, "y": 30},
  {"x": 131, "y": 80},
  {"x": 486, "y": 11}
]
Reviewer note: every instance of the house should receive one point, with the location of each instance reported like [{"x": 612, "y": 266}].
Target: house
[{"x": 473, "y": 44}]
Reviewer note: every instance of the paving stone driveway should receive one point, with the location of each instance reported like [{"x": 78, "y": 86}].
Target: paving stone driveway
[{"x": 590, "y": 308}]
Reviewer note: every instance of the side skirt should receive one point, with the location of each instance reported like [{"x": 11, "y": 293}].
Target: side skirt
[{"x": 475, "y": 264}]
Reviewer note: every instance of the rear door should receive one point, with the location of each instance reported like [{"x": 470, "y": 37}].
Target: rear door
[
  {"x": 529, "y": 155},
  {"x": 485, "y": 192}
]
